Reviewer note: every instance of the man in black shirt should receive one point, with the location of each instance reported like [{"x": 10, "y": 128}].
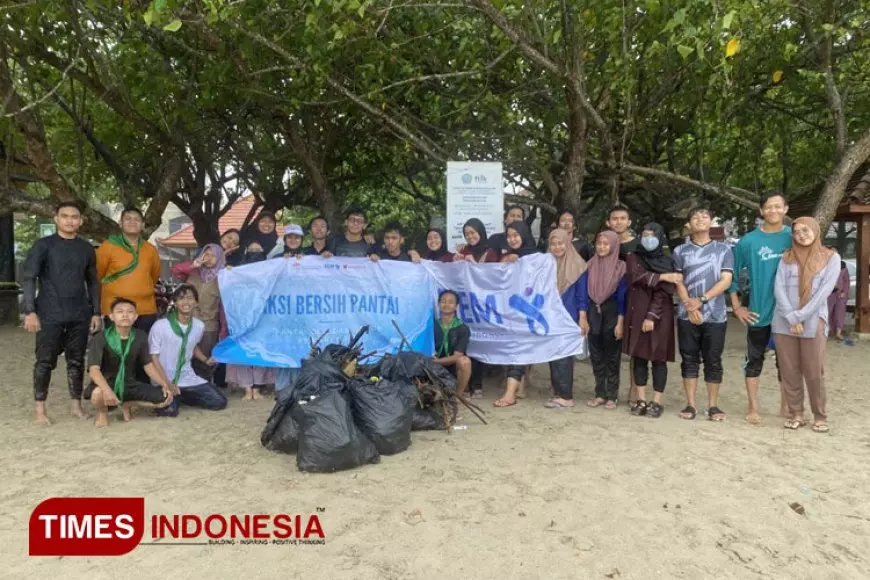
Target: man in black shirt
[
  {"x": 319, "y": 230},
  {"x": 451, "y": 340},
  {"x": 114, "y": 359},
  {"x": 393, "y": 249},
  {"x": 351, "y": 244},
  {"x": 618, "y": 221},
  {"x": 64, "y": 267}
]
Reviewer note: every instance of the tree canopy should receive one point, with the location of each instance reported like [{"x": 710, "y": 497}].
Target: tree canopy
[{"x": 651, "y": 103}]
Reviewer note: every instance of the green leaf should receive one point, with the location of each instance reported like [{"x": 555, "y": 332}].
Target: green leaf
[
  {"x": 148, "y": 17},
  {"x": 727, "y": 19},
  {"x": 557, "y": 36},
  {"x": 685, "y": 51},
  {"x": 173, "y": 26}
]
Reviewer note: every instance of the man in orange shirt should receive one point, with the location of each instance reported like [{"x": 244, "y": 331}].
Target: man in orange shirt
[{"x": 129, "y": 267}]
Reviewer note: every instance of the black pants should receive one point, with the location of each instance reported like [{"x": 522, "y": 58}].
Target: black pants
[
  {"x": 701, "y": 342},
  {"x": 641, "y": 373},
  {"x": 757, "y": 338},
  {"x": 205, "y": 396},
  {"x": 516, "y": 372},
  {"x": 562, "y": 377},
  {"x": 605, "y": 354},
  {"x": 70, "y": 338}
]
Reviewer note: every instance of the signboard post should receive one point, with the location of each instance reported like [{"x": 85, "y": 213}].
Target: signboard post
[
  {"x": 474, "y": 190},
  {"x": 46, "y": 230}
]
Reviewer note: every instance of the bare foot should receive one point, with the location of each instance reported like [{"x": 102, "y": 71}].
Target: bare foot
[
  {"x": 102, "y": 419},
  {"x": 42, "y": 419},
  {"x": 256, "y": 394},
  {"x": 249, "y": 394},
  {"x": 76, "y": 410},
  {"x": 753, "y": 419},
  {"x": 127, "y": 410}
]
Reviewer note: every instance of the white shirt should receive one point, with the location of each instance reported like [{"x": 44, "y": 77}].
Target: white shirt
[{"x": 162, "y": 341}]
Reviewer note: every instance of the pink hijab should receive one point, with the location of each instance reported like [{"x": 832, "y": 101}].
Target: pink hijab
[
  {"x": 605, "y": 272},
  {"x": 209, "y": 274}
]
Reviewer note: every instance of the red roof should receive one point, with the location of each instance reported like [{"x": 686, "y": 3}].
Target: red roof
[{"x": 233, "y": 219}]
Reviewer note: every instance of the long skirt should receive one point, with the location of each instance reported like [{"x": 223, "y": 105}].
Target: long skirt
[{"x": 249, "y": 376}]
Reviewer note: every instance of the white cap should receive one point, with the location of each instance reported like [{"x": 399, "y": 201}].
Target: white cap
[{"x": 294, "y": 229}]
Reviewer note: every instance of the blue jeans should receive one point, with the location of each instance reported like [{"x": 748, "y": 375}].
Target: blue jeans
[{"x": 204, "y": 396}]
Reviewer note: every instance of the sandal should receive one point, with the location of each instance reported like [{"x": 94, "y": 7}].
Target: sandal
[
  {"x": 596, "y": 402},
  {"x": 792, "y": 424},
  {"x": 557, "y": 403},
  {"x": 610, "y": 405},
  {"x": 501, "y": 403},
  {"x": 655, "y": 410},
  {"x": 639, "y": 408},
  {"x": 821, "y": 428},
  {"x": 715, "y": 414},
  {"x": 688, "y": 413},
  {"x": 477, "y": 394}
]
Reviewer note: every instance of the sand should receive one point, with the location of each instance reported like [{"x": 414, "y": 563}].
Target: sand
[{"x": 584, "y": 493}]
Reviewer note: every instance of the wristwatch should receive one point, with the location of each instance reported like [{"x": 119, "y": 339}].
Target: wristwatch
[{"x": 704, "y": 299}]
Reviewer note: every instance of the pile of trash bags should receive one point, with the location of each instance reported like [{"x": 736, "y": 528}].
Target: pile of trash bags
[{"x": 334, "y": 422}]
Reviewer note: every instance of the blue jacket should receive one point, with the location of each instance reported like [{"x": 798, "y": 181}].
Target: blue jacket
[
  {"x": 571, "y": 299},
  {"x": 583, "y": 301}
]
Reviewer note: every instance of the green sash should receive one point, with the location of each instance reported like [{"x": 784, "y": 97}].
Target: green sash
[
  {"x": 444, "y": 347},
  {"x": 121, "y": 241},
  {"x": 113, "y": 341},
  {"x": 182, "y": 354}
]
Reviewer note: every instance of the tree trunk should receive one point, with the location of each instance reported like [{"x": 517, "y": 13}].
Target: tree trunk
[
  {"x": 838, "y": 180},
  {"x": 575, "y": 154}
]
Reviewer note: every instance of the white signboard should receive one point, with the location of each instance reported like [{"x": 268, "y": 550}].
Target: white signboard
[{"x": 474, "y": 190}]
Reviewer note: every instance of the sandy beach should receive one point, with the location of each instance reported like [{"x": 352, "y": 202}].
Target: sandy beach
[{"x": 582, "y": 493}]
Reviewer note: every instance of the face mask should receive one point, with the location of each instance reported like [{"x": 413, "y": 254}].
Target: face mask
[{"x": 649, "y": 244}]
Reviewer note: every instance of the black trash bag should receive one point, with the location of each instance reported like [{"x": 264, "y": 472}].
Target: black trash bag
[
  {"x": 403, "y": 366},
  {"x": 317, "y": 376},
  {"x": 333, "y": 352},
  {"x": 329, "y": 440},
  {"x": 383, "y": 411},
  {"x": 281, "y": 433},
  {"x": 431, "y": 418}
]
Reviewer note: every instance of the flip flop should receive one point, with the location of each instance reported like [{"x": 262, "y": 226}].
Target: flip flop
[
  {"x": 555, "y": 403},
  {"x": 821, "y": 428},
  {"x": 500, "y": 403},
  {"x": 610, "y": 405},
  {"x": 596, "y": 402},
  {"x": 477, "y": 394},
  {"x": 792, "y": 425}
]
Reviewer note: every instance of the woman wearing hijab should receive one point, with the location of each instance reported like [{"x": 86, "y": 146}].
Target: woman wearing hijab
[
  {"x": 805, "y": 277},
  {"x": 602, "y": 312},
  {"x": 570, "y": 268},
  {"x": 436, "y": 247},
  {"x": 202, "y": 274},
  {"x": 260, "y": 238},
  {"x": 231, "y": 243},
  {"x": 476, "y": 250},
  {"x": 837, "y": 302},
  {"x": 649, "y": 337},
  {"x": 519, "y": 241}
]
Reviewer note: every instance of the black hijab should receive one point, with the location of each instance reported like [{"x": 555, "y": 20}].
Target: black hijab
[
  {"x": 253, "y": 234},
  {"x": 529, "y": 246},
  {"x": 436, "y": 255},
  {"x": 237, "y": 256},
  {"x": 482, "y": 246},
  {"x": 655, "y": 261}
]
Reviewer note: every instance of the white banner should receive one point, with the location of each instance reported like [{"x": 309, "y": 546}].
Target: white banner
[
  {"x": 474, "y": 190},
  {"x": 514, "y": 311}
]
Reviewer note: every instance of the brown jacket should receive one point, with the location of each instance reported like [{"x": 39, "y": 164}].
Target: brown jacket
[{"x": 649, "y": 299}]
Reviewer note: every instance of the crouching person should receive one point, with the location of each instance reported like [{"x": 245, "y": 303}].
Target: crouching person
[
  {"x": 451, "y": 341},
  {"x": 114, "y": 358},
  {"x": 173, "y": 344}
]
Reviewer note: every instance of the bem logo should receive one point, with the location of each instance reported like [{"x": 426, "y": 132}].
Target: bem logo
[{"x": 87, "y": 526}]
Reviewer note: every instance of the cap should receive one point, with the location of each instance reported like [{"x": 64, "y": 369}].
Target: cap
[{"x": 294, "y": 229}]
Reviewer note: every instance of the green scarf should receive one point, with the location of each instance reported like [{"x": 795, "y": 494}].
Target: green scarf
[
  {"x": 182, "y": 354},
  {"x": 113, "y": 340},
  {"x": 444, "y": 348},
  {"x": 121, "y": 241}
]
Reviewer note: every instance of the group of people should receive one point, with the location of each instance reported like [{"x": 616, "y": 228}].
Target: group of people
[{"x": 619, "y": 290}]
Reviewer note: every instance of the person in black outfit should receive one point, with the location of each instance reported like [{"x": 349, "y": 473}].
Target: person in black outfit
[
  {"x": 352, "y": 243},
  {"x": 451, "y": 343},
  {"x": 318, "y": 227},
  {"x": 64, "y": 267},
  {"x": 393, "y": 248},
  {"x": 498, "y": 242}
]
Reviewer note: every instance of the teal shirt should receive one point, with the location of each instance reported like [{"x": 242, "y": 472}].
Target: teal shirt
[{"x": 760, "y": 253}]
